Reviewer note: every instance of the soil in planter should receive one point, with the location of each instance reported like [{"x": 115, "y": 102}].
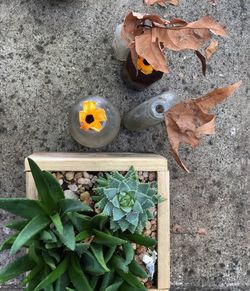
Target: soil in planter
[{"x": 79, "y": 185}]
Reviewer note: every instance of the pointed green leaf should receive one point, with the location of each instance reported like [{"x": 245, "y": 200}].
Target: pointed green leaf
[
  {"x": 48, "y": 260},
  {"x": 131, "y": 174},
  {"x": 133, "y": 218},
  {"x": 81, "y": 248},
  {"x": 139, "y": 239},
  {"x": 127, "y": 287},
  {"x": 115, "y": 286},
  {"x": 115, "y": 201},
  {"x": 118, "y": 176},
  {"x": 129, "y": 252},
  {"x": 62, "y": 282},
  {"x": 108, "y": 209},
  {"x": 54, "y": 275},
  {"x": 109, "y": 253},
  {"x": 93, "y": 280},
  {"x": 118, "y": 214},
  {"x": 90, "y": 265},
  {"x": 123, "y": 187},
  {"x": 72, "y": 205},
  {"x": 42, "y": 188},
  {"x": 80, "y": 221},
  {"x": 21, "y": 206},
  {"x": 110, "y": 193},
  {"x": 16, "y": 268},
  {"x": 68, "y": 237},
  {"x": 56, "y": 219},
  {"x": 55, "y": 254},
  {"x": 113, "y": 182},
  {"x": 33, "y": 253},
  {"x": 82, "y": 235},
  {"x": 99, "y": 220},
  {"x": 54, "y": 187},
  {"x": 32, "y": 274},
  {"x": 130, "y": 279},
  {"x": 77, "y": 277},
  {"x": 118, "y": 262},
  {"x": 107, "y": 239},
  {"x": 137, "y": 270},
  {"x": 38, "y": 223},
  {"x": 106, "y": 279},
  {"x": 123, "y": 224},
  {"x": 102, "y": 181},
  {"x": 97, "y": 251}
]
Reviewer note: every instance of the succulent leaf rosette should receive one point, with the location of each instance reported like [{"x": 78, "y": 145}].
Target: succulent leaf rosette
[{"x": 126, "y": 201}]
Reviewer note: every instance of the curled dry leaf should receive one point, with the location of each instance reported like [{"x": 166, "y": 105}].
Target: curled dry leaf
[
  {"x": 187, "y": 121},
  {"x": 211, "y": 49},
  {"x": 161, "y": 2},
  {"x": 148, "y": 35}
]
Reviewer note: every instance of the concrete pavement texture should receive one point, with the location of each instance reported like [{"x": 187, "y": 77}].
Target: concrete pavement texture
[{"x": 54, "y": 52}]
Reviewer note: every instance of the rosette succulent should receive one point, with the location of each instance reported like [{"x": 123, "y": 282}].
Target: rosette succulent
[{"x": 126, "y": 200}]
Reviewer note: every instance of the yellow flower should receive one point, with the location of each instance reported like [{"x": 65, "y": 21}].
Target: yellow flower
[
  {"x": 144, "y": 66},
  {"x": 91, "y": 117}
]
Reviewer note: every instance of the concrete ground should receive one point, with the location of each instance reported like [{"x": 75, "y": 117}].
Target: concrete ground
[{"x": 54, "y": 52}]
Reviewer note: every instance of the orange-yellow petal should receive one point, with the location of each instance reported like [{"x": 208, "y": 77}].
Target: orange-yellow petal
[
  {"x": 100, "y": 115},
  {"x": 145, "y": 69},
  {"x": 96, "y": 125},
  {"x": 89, "y": 107},
  {"x": 82, "y": 116},
  {"x": 85, "y": 126}
]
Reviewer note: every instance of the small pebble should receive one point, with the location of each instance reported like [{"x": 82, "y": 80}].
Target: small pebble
[
  {"x": 147, "y": 232},
  {"x": 78, "y": 175},
  {"x": 60, "y": 181},
  {"x": 148, "y": 225},
  {"x": 86, "y": 175},
  {"x": 73, "y": 187},
  {"x": 85, "y": 197},
  {"x": 141, "y": 250},
  {"x": 69, "y": 176},
  {"x": 84, "y": 181},
  {"x": 145, "y": 174},
  {"x": 152, "y": 176},
  {"x": 70, "y": 194}
]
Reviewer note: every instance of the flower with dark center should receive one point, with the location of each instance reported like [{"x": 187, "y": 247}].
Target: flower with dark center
[{"x": 91, "y": 117}]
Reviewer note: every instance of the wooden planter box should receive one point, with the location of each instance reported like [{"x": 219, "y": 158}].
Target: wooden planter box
[{"x": 117, "y": 162}]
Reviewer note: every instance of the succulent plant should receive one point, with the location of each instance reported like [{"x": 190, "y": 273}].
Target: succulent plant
[
  {"x": 68, "y": 245},
  {"x": 126, "y": 201}
]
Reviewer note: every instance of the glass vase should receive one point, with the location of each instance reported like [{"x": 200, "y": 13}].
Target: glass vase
[
  {"x": 90, "y": 131},
  {"x": 150, "y": 112}
]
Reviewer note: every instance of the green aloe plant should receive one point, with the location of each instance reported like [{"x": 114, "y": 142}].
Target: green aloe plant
[
  {"x": 126, "y": 201},
  {"x": 69, "y": 246}
]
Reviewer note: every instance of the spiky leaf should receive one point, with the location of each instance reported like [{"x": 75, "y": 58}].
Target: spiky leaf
[
  {"x": 37, "y": 224},
  {"x": 15, "y": 268},
  {"x": 21, "y": 206},
  {"x": 54, "y": 275}
]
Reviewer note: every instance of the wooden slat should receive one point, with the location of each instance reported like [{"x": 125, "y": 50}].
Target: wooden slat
[
  {"x": 163, "y": 232},
  {"x": 117, "y": 162},
  {"x": 98, "y": 161}
]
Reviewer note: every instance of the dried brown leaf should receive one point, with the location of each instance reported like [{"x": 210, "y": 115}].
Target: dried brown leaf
[
  {"x": 211, "y": 49},
  {"x": 203, "y": 62},
  {"x": 187, "y": 121},
  {"x": 148, "y": 35},
  {"x": 161, "y": 2}
]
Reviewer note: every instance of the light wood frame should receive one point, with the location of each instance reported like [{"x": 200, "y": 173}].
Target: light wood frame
[{"x": 117, "y": 162}]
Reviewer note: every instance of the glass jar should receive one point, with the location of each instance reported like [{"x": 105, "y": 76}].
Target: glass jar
[
  {"x": 141, "y": 78},
  {"x": 100, "y": 124},
  {"x": 119, "y": 45},
  {"x": 150, "y": 112}
]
